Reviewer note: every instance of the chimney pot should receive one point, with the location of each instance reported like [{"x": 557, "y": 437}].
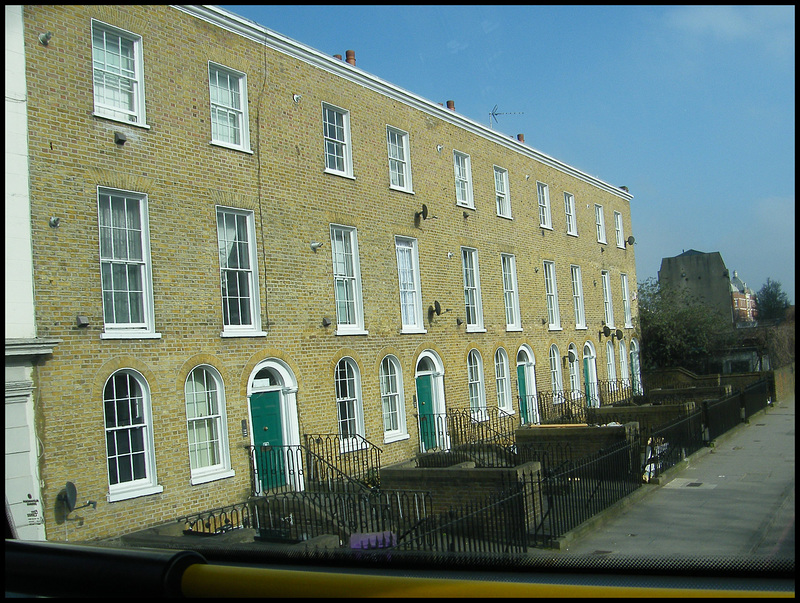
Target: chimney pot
[
  {"x": 451, "y": 105},
  {"x": 337, "y": 56},
  {"x": 351, "y": 57},
  {"x": 521, "y": 137}
]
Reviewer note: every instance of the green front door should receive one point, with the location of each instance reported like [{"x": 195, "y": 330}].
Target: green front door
[
  {"x": 427, "y": 418},
  {"x": 265, "y": 409},
  {"x": 523, "y": 392}
]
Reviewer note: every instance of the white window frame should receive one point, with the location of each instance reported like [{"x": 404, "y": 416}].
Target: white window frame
[
  {"x": 348, "y": 397},
  {"x": 336, "y": 136},
  {"x": 574, "y": 367},
  {"x": 148, "y": 483},
  {"x": 508, "y": 264},
  {"x": 124, "y": 259},
  {"x": 551, "y": 296},
  {"x": 235, "y": 107},
  {"x": 600, "y": 224},
  {"x": 569, "y": 210},
  {"x": 106, "y": 71},
  {"x": 244, "y": 223},
  {"x": 543, "y": 197},
  {"x": 577, "y": 297},
  {"x": 472, "y": 290},
  {"x": 502, "y": 194},
  {"x": 212, "y": 394},
  {"x": 624, "y": 371},
  {"x": 399, "y": 150},
  {"x": 611, "y": 365},
  {"x": 392, "y": 400},
  {"x": 626, "y": 301},
  {"x": 462, "y": 166},
  {"x": 608, "y": 305},
  {"x": 476, "y": 391},
  {"x": 502, "y": 378},
  {"x": 411, "y": 315},
  {"x": 556, "y": 380},
  {"x": 347, "y": 281},
  {"x": 618, "y": 230}
]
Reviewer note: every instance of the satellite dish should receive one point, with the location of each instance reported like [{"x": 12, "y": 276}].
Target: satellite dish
[
  {"x": 69, "y": 496},
  {"x": 631, "y": 240},
  {"x": 606, "y": 331},
  {"x": 619, "y": 334},
  {"x": 423, "y": 212},
  {"x": 437, "y": 308}
]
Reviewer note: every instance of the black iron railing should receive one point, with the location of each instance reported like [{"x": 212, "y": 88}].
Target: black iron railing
[
  {"x": 615, "y": 391},
  {"x": 358, "y": 519},
  {"x": 219, "y": 521},
  {"x": 669, "y": 444},
  {"x": 276, "y": 468},
  {"x": 564, "y": 499},
  {"x": 486, "y": 426},
  {"x": 330, "y": 457},
  {"x": 561, "y": 407}
]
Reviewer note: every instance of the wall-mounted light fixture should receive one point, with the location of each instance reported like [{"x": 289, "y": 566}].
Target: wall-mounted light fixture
[
  {"x": 316, "y": 245},
  {"x": 55, "y": 222},
  {"x": 459, "y": 322},
  {"x": 120, "y": 138},
  {"x": 82, "y": 321},
  {"x": 326, "y": 322},
  {"x": 44, "y": 38},
  {"x": 466, "y": 214}
]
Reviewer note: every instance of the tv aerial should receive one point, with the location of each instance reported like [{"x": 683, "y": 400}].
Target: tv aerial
[{"x": 493, "y": 115}]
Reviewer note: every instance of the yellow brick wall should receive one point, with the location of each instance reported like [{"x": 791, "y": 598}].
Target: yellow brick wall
[{"x": 294, "y": 202}]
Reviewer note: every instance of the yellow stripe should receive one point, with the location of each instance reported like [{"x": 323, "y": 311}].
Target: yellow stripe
[{"x": 201, "y": 580}]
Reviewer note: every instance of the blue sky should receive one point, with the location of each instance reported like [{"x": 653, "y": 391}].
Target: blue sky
[{"x": 691, "y": 107}]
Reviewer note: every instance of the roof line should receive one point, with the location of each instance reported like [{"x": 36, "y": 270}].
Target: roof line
[{"x": 258, "y": 33}]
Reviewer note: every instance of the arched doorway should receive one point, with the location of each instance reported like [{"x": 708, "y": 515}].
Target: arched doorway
[
  {"x": 526, "y": 385},
  {"x": 274, "y": 428},
  {"x": 429, "y": 378}
]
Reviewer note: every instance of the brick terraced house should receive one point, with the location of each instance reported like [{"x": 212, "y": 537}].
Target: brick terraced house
[{"x": 226, "y": 242}]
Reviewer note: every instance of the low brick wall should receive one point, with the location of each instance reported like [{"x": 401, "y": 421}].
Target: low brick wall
[
  {"x": 648, "y": 417},
  {"x": 583, "y": 440},
  {"x": 451, "y": 487}
]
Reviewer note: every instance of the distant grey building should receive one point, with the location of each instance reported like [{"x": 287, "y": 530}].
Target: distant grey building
[{"x": 700, "y": 275}]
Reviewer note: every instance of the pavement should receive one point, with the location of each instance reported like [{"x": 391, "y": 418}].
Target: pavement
[{"x": 735, "y": 498}]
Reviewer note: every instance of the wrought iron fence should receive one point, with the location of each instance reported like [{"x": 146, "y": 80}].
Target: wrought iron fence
[
  {"x": 434, "y": 433},
  {"x": 487, "y": 426},
  {"x": 756, "y": 398},
  {"x": 615, "y": 391},
  {"x": 493, "y": 524},
  {"x": 360, "y": 518},
  {"x": 669, "y": 444},
  {"x": 560, "y": 407},
  {"x": 276, "y": 468},
  {"x": 219, "y": 521},
  {"x": 330, "y": 457},
  {"x": 722, "y": 415},
  {"x": 564, "y": 499}
]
